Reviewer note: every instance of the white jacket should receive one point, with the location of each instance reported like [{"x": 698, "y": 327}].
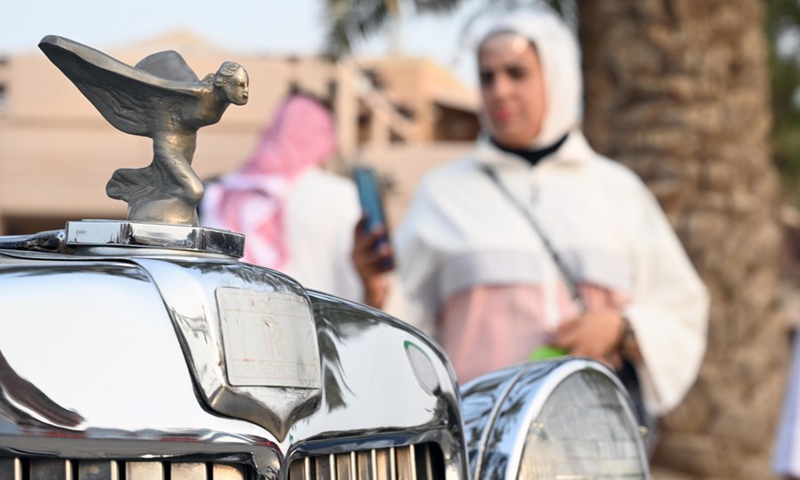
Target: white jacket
[{"x": 461, "y": 231}]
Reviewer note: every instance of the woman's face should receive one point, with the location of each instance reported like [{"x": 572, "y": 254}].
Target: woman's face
[{"x": 513, "y": 90}]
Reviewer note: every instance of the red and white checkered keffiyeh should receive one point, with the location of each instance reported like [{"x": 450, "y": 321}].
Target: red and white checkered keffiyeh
[{"x": 251, "y": 201}]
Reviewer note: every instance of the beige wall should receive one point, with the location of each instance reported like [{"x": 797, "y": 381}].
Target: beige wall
[
  {"x": 57, "y": 152},
  {"x": 404, "y": 166}
]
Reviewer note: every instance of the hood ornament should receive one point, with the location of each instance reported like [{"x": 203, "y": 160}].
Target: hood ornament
[{"x": 160, "y": 98}]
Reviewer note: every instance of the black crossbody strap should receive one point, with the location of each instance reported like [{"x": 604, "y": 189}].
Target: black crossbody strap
[
  {"x": 627, "y": 373},
  {"x": 566, "y": 275}
]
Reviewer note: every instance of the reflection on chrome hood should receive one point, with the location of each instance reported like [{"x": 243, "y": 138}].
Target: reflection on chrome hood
[{"x": 201, "y": 356}]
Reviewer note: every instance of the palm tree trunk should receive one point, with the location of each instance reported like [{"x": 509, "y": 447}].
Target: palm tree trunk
[{"x": 678, "y": 90}]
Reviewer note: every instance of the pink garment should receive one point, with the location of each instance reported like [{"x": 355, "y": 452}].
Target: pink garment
[
  {"x": 251, "y": 201},
  {"x": 489, "y": 327}
]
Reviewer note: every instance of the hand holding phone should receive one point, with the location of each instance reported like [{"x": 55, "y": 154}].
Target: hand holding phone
[{"x": 374, "y": 222}]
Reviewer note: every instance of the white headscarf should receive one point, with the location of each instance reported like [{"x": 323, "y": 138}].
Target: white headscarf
[{"x": 559, "y": 56}]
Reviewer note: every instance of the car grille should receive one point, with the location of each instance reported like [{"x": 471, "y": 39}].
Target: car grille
[
  {"x": 415, "y": 462},
  {"x": 60, "y": 469}
]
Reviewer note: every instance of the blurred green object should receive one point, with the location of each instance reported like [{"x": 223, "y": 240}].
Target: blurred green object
[{"x": 547, "y": 351}]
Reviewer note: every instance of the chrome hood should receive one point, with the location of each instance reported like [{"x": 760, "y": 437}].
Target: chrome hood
[{"x": 133, "y": 357}]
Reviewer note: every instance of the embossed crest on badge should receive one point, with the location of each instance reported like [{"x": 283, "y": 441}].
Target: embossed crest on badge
[{"x": 269, "y": 339}]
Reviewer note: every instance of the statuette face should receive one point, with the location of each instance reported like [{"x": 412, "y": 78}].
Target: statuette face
[
  {"x": 235, "y": 85},
  {"x": 160, "y": 98}
]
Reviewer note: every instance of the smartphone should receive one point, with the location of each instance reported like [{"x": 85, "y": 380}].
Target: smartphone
[{"x": 369, "y": 194}]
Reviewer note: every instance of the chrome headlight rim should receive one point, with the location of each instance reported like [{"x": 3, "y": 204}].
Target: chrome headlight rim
[{"x": 538, "y": 381}]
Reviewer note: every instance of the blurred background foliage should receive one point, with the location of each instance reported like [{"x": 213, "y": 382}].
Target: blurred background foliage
[
  {"x": 783, "y": 32},
  {"x": 349, "y": 21}
]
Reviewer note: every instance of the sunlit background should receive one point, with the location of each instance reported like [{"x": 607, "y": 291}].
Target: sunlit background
[
  {"x": 246, "y": 26},
  {"x": 712, "y": 129}
]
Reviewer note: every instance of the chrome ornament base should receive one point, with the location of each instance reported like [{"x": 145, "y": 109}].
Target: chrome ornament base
[{"x": 122, "y": 233}]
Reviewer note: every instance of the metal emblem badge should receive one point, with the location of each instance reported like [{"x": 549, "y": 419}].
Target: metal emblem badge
[
  {"x": 270, "y": 368},
  {"x": 268, "y": 338},
  {"x": 252, "y": 351}
]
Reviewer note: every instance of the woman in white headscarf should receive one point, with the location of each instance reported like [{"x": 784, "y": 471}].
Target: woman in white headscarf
[{"x": 534, "y": 239}]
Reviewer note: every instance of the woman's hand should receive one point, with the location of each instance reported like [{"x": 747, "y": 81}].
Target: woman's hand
[
  {"x": 372, "y": 256},
  {"x": 594, "y": 334}
]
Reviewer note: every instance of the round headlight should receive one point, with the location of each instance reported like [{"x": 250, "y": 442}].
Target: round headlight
[{"x": 563, "y": 419}]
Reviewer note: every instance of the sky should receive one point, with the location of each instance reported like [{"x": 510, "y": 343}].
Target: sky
[{"x": 246, "y": 26}]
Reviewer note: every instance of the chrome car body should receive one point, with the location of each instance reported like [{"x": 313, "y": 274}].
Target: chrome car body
[
  {"x": 120, "y": 354},
  {"x": 141, "y": 355}
]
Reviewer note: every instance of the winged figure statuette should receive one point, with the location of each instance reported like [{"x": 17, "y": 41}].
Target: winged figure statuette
[{"x": 160, "y": 98}]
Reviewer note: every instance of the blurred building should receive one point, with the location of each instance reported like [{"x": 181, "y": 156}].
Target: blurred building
[{"x": 402, "y": 115}]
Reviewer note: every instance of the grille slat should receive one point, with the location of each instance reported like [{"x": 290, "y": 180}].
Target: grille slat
[
  {"x": 10, "y": 469},
  {"x": 343, "y": 470},
  {"x": 144, "y": 471},
  {"x": 406, "y": 467},
  {"x": 364, "y": 470},
  {"x": 188, "y": 471},
  {"x": 307, "y": 472},
  {"x": 392, "y": 464},
  {"x": 373, "y": 467},
  {"x": 297, "y": 471},
  {"x": 50, "y": 469},
  {"x": 98, "y": 470},
  {"x": 415, "y": 462},
  {"x": 223, "y": 471},
  {"x": 323, "y": 467},
  {"x": 383, "y": 464},
  {"x": 427, "y": 463}
]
